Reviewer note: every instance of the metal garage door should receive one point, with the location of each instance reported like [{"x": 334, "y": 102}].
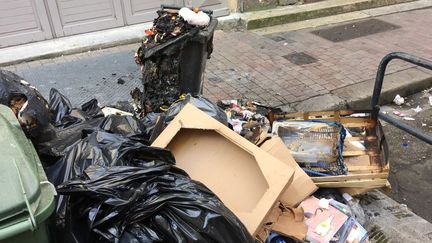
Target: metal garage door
[
  {"x": 23, "y": 21},
  {"x": 139, "y": 11},
  {"x": 79, "y": 16},
  {"x": 219, "y": 7}
]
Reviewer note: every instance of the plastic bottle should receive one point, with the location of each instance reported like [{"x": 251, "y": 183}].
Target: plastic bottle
[
  {"x": 341, "y": 207},
  {"x": 356, "y": 209}
]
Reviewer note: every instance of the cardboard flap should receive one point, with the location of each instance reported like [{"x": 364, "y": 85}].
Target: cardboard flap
[
  {"x": 302, "y": 185},
  {"x": 291, "y": 224}
]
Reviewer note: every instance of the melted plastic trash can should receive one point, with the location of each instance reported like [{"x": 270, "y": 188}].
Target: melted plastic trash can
[
  {"x": 26, "y": 196},
  {"x": 181, "y": 62}
]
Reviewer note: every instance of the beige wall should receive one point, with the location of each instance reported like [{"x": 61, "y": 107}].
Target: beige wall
[{"x": 234, "y": 6}]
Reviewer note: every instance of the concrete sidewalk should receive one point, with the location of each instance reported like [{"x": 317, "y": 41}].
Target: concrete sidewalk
[
  {"x": 261, "y": 66},
  {"x": 252, "y": 66}
]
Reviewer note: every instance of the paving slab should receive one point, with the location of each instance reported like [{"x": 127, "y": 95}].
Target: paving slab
[
  {"x": 289, "y": 14},
  {"x": 321, "y": 103},
  {"x": 404, "y": 82},
  {"x": 390, "y": 221},
  {"x": 344, "y": 17}
]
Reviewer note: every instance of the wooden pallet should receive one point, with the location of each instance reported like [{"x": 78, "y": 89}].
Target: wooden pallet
[{"x": 367, "y": 168}]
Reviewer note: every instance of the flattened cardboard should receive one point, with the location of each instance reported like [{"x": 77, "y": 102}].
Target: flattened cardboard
[
  {"x": 247, "y": 179},
  {"x": 302, "y": 185}
]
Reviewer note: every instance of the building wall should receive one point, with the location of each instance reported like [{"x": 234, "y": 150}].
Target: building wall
[{"x": 25, "y": 21}]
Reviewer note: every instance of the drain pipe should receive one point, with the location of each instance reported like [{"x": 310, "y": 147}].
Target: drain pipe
[{"x": 241, "y": 6}]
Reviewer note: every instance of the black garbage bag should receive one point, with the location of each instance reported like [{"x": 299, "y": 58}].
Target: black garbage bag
[
  {"x": 152, "y": 203},
  {"x": 72, "y": 125},
  {"x": 155, "y": 122},
  {"x": 201, "y": 103},
  {"x": 59, "y": 105},
  {"x": 68, "y": 125},
  {"x": 28, "y": 105},
  {"x": 92, "y": 109},
  {"x": 127, "y": 191}
]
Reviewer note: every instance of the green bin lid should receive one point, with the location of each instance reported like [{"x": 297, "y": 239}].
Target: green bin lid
[{"x": 19, "y": 170}]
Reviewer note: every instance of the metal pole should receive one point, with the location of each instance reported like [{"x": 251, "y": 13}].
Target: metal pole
[
  {"x": 382, "y": 68},
  {"x": 416, "y": 133}
]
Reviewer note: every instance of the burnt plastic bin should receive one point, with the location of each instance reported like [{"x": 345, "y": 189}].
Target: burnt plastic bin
[
  {"x": 177, "y": 66},
  {"x": 193, "y": 59},
  {"x": 194, "y": 54}
]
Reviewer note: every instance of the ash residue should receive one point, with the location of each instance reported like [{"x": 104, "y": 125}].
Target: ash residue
[{"x": 160, "y": 68}]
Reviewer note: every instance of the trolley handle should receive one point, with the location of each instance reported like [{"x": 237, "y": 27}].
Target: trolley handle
[{"x": 378, "y": 86}]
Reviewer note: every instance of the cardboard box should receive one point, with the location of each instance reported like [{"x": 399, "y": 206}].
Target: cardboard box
[
  {"x": 302, "y": 185},
  {"x": 248, "y": 180}
]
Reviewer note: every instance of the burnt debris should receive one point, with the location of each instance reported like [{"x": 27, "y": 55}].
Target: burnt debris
[{"x": 165, "y": 57}]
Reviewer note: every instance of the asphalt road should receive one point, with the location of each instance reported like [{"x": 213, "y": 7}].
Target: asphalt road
[{"x": 411, "y": 158}]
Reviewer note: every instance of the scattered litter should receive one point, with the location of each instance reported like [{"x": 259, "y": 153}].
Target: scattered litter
[
  {"x": 107, "y": 111},
  {"x": 323, "y": 228},
  {"x": 417, "y": 109},
  {"x": 194, "y": 17},
  {"x": 407, "y": 118},
  {"x": 247, "y": 119},
  {"x": 290, "y": 223},
  {"x": 430, "y": 100},
  {"x": 398, "y": 100},
  {"x": 357, "y": 144},
  {"x": 120, "y": 81},
  {"x": 324, "y": 203},
  {"x": 398, "y": 113},
  {"x": 359, "y": 115},
  {"x": 323, "y": 224},
  {"x": 356, "y": 210},
  {"x": 424, "y": 124}
]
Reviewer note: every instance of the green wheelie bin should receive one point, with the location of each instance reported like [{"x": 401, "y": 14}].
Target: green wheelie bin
[{"x": 27, "y": 199}]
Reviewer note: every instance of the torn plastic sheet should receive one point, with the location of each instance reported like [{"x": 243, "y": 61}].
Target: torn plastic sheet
[
  {"x": 28, "y": 105},
  {"x": 126, "y": 191},
  {"x": 201, "y": 103},
  {"x": 316, "y": 145}
]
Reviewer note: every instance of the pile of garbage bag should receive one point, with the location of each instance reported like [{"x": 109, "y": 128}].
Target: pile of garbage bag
[
  {"x": 108, "y": 176},
  {"x": 126, "y": 191}
]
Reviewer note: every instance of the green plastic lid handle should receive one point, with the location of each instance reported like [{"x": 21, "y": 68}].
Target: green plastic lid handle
[
  {"x": 32, "y": 218},
  {"x": 23, "y": 226}
]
